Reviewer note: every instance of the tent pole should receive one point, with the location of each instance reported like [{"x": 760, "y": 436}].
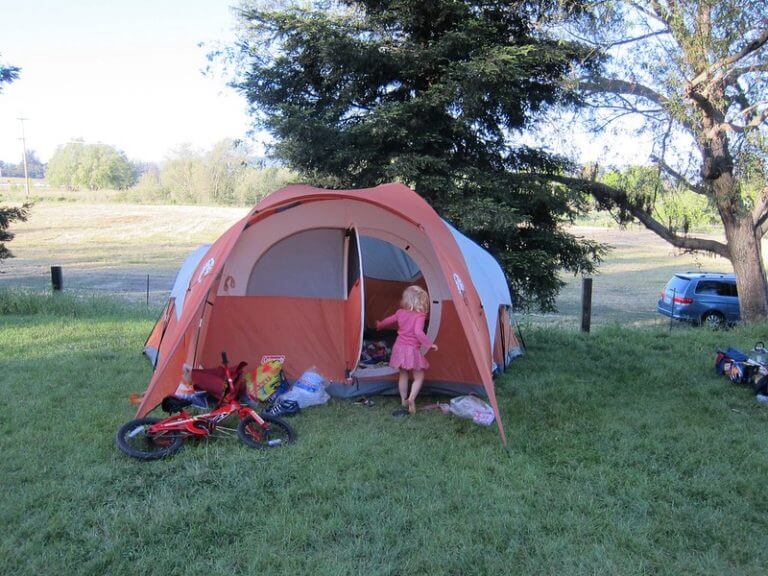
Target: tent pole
[{"x": 202, "y": 316}]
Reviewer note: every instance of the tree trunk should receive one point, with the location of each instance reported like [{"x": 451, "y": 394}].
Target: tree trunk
[
  {"x": 744, "y": 243},
  {"x": 747, "y": 261}
]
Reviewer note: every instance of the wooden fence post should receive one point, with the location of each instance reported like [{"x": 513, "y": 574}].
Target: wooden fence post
[
  {"x": 586, "y": 304},
  {"x": 57, "y": 279}
]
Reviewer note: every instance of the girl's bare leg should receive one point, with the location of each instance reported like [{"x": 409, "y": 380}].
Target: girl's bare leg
[
  {"x": 418, "y": 380},
  {"x": 402, "y": 386}
]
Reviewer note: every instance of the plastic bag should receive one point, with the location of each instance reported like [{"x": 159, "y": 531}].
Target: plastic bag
[
  {"x": 473, "y": 408},
  {"x": 308, "y": 390}
]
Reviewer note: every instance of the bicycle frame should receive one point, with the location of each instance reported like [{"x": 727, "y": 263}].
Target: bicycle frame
[{"x": 202, "y": 425}]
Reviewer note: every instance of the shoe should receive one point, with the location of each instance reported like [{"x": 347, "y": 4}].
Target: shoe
[
  {"x": 762, "y": 398},
  {"x": 282, "y": 408}
]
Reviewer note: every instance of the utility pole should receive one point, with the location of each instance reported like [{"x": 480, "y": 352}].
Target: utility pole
[{"x": 24, "y": 149}]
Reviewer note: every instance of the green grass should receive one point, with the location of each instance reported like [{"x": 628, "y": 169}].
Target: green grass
[
  {"x": 24, "y": 302},
  {"x": 627, "y": 455}
]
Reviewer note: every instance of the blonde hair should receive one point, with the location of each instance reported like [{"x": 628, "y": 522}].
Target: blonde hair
[{"x": 416, "y": 298}]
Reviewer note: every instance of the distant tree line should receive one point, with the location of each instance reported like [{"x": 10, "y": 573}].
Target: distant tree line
[
  {"x": 224, "y": 174},
  {"x": 35, "y": 168}
]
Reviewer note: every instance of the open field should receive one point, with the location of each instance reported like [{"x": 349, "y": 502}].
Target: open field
[
  {"x": 629, "y": 282},
  {"x": 607, "y": 472},
  {"x": 110, "y": 248}
]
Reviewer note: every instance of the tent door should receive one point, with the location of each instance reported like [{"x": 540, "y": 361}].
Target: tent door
[{"x": 354, "y": 313}]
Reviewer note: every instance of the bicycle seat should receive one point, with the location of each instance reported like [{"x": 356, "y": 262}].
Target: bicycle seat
[{"x": 173, "y": 404}]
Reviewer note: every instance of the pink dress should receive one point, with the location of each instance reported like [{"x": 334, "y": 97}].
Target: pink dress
[{"x": 406, "y": 353}]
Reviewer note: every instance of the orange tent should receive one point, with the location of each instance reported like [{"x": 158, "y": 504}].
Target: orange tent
[{"x": 308, "y": 271}]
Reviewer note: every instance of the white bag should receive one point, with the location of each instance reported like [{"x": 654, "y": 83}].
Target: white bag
[
  {"x": 473, "y": 408},
  {"x": 308, "y": 390}
]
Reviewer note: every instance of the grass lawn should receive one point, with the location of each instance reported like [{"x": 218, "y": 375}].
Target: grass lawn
[{"x": 627, "y": 455}]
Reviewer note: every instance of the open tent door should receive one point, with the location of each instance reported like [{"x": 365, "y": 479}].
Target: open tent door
[{"x": 353, "y": 308}]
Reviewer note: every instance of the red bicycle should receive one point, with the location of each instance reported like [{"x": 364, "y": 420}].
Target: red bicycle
[{"x": 153, "y": 438}]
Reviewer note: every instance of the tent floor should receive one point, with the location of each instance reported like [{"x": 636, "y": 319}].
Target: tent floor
[{"x": 383, "y": 387}]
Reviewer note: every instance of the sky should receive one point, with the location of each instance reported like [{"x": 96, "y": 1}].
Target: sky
[
  {"x": 123, "y": 72},
  {"x": 129, "y": 73}
]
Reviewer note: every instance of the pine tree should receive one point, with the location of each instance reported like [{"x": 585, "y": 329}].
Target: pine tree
[
  {"x": 432, "y": 93},
  {"x": 13, "y": 214}
]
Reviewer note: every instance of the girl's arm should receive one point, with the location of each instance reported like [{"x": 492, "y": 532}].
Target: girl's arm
[
  {"x": 387, "y": 322},
  {"x": 418, "y": 330}
]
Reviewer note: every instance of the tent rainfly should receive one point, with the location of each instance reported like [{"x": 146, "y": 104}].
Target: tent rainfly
[{"x": 306, "y": 274}]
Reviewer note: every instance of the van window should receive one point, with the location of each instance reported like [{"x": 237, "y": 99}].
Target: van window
[
  {"x": 716, "y": 288},
  {"x": 678, "y": 285}
]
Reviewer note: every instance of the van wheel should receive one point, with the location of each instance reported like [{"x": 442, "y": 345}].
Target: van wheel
[{"x": 713, "y": 320}]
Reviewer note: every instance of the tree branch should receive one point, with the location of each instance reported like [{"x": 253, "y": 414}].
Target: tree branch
[
  {"x": 757, "y": 119},
  {"x": 733, "y": 74},
  {"x": 760, "y": 211},
  {"x": 643, "y": 10},
  {"x": 635, "y": 39},
  {"x": 748, "y": 49},
  {"x": 679, "y": 177},
  {"x": 618, "y": 87},
  {"x": 609, "y": 195}
]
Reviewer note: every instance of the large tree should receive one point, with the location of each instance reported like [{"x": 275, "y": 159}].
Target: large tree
[
  {"x": 8, "y": 215},
  {"x": 696, "y": 73},
  {"x": 433, "y": 93},
  {"x": 78, "y": 165}
]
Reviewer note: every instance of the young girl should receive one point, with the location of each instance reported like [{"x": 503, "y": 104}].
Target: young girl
[{"x": 406, "y": 353}]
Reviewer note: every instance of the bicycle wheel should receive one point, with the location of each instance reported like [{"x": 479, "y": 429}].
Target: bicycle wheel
[
  {"x": 132, "y": 439},
  {"x": 279, "y": 433}
]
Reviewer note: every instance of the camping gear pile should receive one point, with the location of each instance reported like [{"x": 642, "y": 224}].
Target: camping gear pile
[
  {"x": 747, "y": 369},
  {"x": 375, "y": 353},
  {"x": 151, "y": 438},
  {"x": 267, "y": 384}
]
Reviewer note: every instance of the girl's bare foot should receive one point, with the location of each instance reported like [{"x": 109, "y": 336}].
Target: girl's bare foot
[{"x": 411, "y": 406}]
